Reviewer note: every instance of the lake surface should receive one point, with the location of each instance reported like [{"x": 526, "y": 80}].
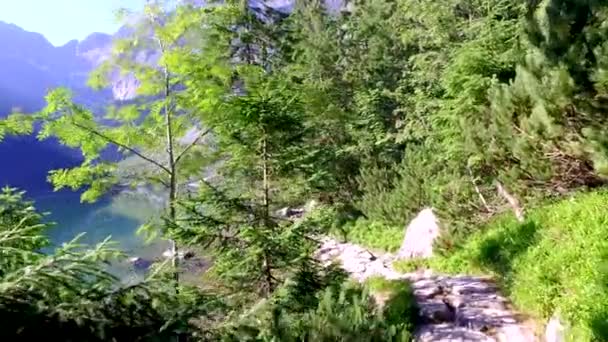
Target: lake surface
[{"x": 117, "y": 216}]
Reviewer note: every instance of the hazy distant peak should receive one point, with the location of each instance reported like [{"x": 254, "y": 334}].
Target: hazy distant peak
[
  {"x": 14, "y": 33},
  {"x": 72, "y": 44},
  {"x": 95, "y": 39}
]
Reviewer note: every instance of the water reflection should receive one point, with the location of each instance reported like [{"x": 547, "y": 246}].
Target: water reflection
[{"x": 118, "y": 216}]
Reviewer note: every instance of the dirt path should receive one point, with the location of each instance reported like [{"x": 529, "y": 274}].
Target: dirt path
[{"x": 453, "y": 308}]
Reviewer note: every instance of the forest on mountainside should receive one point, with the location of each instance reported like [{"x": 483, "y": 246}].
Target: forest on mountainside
[{"x": 375, "y": 112}]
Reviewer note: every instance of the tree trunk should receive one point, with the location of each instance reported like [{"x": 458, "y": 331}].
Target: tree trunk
[
  {"x": 266, "y": 214},
  {"x": 172, "y": 171},
  {"x": 266, "y": 201}
]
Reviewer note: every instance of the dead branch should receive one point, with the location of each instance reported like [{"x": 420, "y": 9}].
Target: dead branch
[{"x": 517, "y": 209}]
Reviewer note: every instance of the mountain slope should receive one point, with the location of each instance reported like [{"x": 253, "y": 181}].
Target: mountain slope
[{"x": 29, "y": 67}]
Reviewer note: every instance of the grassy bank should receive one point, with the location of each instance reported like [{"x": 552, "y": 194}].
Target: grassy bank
[
  {"x": 373, "y": 235},
  {"x": 555, "y": 261}
]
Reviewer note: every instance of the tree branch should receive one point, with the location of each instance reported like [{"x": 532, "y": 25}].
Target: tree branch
[
  {"x": 132, "y": 150},
  {"x": 192, "y": 144}
]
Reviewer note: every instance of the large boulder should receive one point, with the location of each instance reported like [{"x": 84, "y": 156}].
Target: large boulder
[{"x": 420, "y": 236}]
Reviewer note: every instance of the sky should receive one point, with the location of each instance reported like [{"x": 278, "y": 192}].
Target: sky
[{"x": 63, "y": 20}]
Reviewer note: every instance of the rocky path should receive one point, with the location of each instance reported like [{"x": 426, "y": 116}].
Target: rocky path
[{"x": 452, "y": 308}]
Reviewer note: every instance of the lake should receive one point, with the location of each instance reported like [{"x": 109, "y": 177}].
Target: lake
[{"x": 117, "y": 216}]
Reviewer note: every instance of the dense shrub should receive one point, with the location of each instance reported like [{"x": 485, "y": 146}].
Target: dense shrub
[{"x": 346, "y": 312}]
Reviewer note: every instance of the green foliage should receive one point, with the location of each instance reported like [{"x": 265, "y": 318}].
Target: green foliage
[
  {"x": 372, "y": 234},
  {"x": 21, "y": 231},
  {"x": 495, "y": 102},
  {"x": 411, "y": 265},
  {"x": 396, "y": 298},
  {"x": 377, "y": 112},
  {"x": 343, "y": 313},
  {"x": 537, "y": 276},
  {"x": 150, "y": 129},
  {"x": 68, "y": 294}
]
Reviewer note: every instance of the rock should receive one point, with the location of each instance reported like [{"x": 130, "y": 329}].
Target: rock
[
  {"x": 181, "y": 255},
  {"x": 555, "y": 331},
  {"x": 284, "y": 212},
  {"x": 290, "y": 213},
  {"x": 420, "y": 235},
  {"x": 447, "y": 332},
  {"x": 438, "y": 311},
  {"x": 168, "y": 254},
  {"x": 139, "y": 263},
  {"x": 189, "y": 255},
  {"x": 297, "y": 212},
  {"x": 354, "y": 267}
]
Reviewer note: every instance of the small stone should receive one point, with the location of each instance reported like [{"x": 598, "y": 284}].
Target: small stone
[
  {"x": 134, "y": 259},
  {"x": 180, "y": 254},
  {"x": 140, "y": 263},
  {"x": 283, "y": 212},
  {"x": 189, "y": 255}
]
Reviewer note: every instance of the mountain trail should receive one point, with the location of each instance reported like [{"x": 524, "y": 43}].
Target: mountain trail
[{"x": 452, "y": 308}]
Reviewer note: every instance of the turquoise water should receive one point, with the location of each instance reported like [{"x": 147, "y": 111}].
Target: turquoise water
[{"x": 118, "y": 216}]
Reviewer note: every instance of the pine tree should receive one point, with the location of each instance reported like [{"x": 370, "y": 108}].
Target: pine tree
[
  {"x": 259, "y": 132},
  {"x": 258, "y": 136}
]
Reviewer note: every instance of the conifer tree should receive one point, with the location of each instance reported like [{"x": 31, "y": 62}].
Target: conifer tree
[{"x": 259, "y": 132}]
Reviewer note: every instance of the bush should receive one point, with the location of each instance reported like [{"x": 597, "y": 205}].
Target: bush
[
  {"x": 347, "y": 312},
  {"x": 396, "y": 298},
  {"x": 68, "y": 294},
  {"x": 552, "y": 262}
]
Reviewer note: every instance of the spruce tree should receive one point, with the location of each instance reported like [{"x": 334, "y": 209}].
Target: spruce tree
[{"x": 259, "y": 132}]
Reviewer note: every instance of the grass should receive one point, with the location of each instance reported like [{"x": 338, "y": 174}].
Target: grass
[
  {"x": 373, "y": 235},
  {"x": 381, "y": 284},
  {"x": 411, "y": 265},
  {"x": 396, "y": 300},
  {"x": 556, "y": 261}
]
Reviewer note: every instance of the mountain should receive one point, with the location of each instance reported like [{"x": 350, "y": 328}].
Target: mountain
[{"x": 29, "y": 67}]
